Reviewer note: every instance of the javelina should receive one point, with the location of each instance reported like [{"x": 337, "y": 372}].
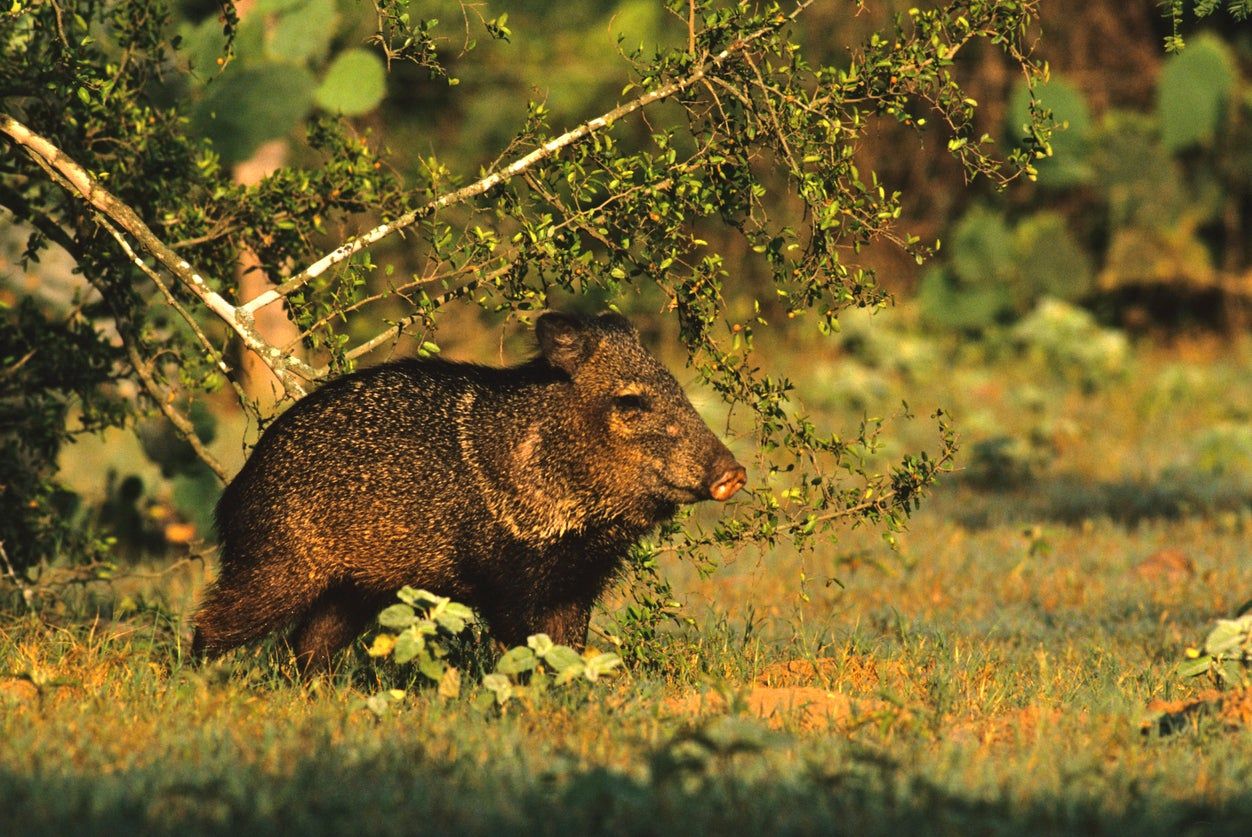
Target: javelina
[{"x": 517, "y": 491}]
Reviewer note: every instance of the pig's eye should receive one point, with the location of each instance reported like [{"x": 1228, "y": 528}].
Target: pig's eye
[{"x": 631, "y": 403}]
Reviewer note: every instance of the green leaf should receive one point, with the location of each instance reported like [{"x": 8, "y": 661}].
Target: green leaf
[
  {"x": 421, "y": 597},
  {"x": 570, "y": 673},
  {"x": 541, "y": 644},
  {"x": 378, "y": 704},
  {"x": 601, "y": 664},
  {"x": 500, "y": 686},
  {"x": 454, "y": 617},
  {"x": 1193, "y": 668},
  {"x": 408, "y": 645},
  {"x": 354, "y": 84},
  {"x": 397, "y": 616},
  {"x": 562, "y": 657},
  {"x": 1194, "y": 89},
  {"x": 432, "y": 667},
  {"x": 516, "y": 660},
  {"x": 1229, "y": 637}
]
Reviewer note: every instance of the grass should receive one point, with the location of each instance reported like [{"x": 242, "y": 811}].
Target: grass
[{"x": 992, "y": 675}]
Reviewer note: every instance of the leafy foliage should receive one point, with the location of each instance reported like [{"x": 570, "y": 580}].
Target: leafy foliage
[
  {"x": 429, "y": 628},
  {"x": 1238, "y": 9},
  {"x": 1068, "y": 163},
  {"x": 1225, "y": 655}
]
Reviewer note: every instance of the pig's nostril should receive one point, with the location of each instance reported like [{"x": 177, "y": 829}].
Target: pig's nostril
[{"x": 731, "y": 480}]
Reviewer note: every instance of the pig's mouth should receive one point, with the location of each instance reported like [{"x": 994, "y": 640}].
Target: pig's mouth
[{"x": 685, "y": 493}]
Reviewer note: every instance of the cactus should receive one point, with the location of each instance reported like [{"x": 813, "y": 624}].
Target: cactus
[
  {"x": 271, "y": 85},
  {"x": 1048, "y": 261},
  {"x": 1138, "y": 178},
  {"x": 1070, "y": 163},
  {"x": 354, "y": 84},
  {"x": 997, "y": 272},
  {"x": 1194, "y": 91}
]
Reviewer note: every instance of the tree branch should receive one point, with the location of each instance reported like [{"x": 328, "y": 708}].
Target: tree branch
[
  {"x": 290, "y": 371},
  {"x": 181, "y": 423},
  {"x": 518, "y": 166}
]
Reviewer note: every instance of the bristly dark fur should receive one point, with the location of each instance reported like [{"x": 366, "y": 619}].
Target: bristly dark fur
[{"x": 517, "y": 491}]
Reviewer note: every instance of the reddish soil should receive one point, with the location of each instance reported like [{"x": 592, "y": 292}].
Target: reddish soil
[
  {"x": 808, "y": 707},
  {"x": 17, "y": 690},
  {"x": 1168, "y": 565},
  {"x": 1233, "y": 709}
]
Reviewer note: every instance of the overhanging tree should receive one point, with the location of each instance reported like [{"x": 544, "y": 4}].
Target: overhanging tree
[{"x": 734, "y": 128}]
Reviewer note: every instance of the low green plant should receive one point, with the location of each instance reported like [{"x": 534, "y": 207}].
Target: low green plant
[
  {"x": 1225, "y": 655},
  {"x": 1224, "y": 448},
  {"x": 1070, "y": 343},
  {"x": 430, "y": 630},
  {"x": 1005, "y": 461}
]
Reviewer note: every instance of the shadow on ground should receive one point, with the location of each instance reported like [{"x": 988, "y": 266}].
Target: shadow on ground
[
  {"x": 1071, "y": 499},
  {"x": 695, "y": 784}
]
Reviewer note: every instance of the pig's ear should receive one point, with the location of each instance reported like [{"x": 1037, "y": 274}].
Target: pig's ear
[{"x": 565, "y": 341}]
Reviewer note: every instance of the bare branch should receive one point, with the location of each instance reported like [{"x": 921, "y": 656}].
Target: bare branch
[
  {"x": 28, "y": 593},
  {"x": 162, "y": 399},
  {"x": 181, "y": 423},
  {"x": 691, "y": 26},
  {"x": 289, "y": 370},
  {"x": 397, "y": 328}
]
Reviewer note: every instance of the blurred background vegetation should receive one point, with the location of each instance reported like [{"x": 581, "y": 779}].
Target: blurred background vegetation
[{"x": 1136, "y": 232}]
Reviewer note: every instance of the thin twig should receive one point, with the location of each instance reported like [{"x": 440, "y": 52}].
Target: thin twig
[
  {"x": 141, "y": 366},
  {"x": 28, "y": 592},
  {"x": 691, "y": 26}
]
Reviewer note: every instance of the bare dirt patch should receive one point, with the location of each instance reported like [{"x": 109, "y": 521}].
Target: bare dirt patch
[
  {"x": 853, "y": 675},
  {"x": 1008, "y": 727},
  {"x": 1233, "y": 710},
  {"x": 1167, "y": 565},
  {"x": 807, "y": 707},
  {"x": 810, "y": 694},
  {"x": 799, "y": 672},
  {"x": 17, "y": 690}
]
